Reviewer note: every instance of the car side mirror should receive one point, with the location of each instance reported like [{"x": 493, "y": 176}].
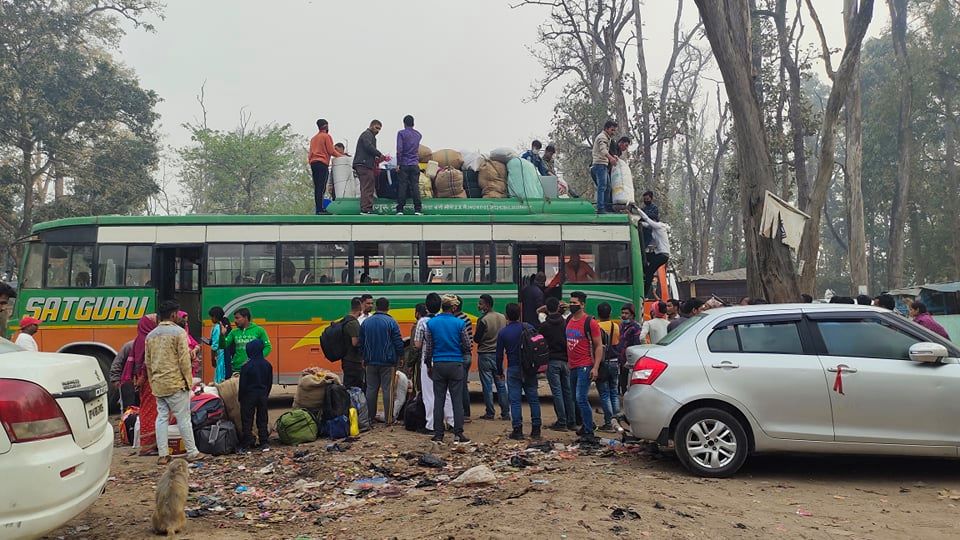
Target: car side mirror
[{"x": 927, "y": 352}]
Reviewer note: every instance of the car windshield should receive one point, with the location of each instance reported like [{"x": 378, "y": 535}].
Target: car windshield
[
  {"x": 678, "y": 331},
  {"x": 8, "y": 346}
]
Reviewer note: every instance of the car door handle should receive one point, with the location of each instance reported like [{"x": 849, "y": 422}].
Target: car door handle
[
  {"x": 842, "y": 368},
  {"x": 725, "y": 364}
]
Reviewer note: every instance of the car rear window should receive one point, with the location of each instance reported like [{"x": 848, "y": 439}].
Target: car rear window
[
  {"x": 679, "y": 330},
  {"x": 774, "y": 337}
]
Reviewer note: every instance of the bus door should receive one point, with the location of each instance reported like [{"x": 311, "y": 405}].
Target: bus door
[
  {"x": 178, "y": 278},
  {"x": 546, "y": 258}
]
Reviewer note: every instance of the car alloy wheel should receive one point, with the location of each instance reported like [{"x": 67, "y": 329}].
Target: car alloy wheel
[{"x": 711, "y": 442}]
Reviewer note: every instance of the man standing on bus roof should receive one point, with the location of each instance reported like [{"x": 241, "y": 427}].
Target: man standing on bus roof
[
  {"x": 321, "y": 150},
  {"x": 28, "y": 327},
  {"x": 408, "y": 160},
  {"x": 599, "y": 171},
  {"x": 365, "y": 164},
  {"x": 246, "y": 331}
]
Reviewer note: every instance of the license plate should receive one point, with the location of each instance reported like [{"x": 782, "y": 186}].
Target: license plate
[{"x": 95, "y": 409}]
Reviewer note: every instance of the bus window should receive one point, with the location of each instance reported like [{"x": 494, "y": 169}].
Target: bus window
[
  {"x": 58, "y": 260},
  {"x": 139, "y": 266},
  {"x": 241, "y": 264},
  {"x": 387, "y": 262},
  {"x": 33, "y": 270},
  {"x": 504, "y": 262},
  {"x": 81, "y": 263},
  {"x": 69, "y": 266},
  {"x": 314, "y": 263},
  {"x": 111, "y": 265},
  {"x": 606, "y": 262},
  {"x": 458, "y": 262}
]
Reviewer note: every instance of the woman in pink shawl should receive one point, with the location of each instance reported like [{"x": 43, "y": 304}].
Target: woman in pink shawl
[{"x": 148, "y": 403}]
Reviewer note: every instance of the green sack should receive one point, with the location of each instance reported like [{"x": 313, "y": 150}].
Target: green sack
[
  {"x": 296, "y": 426},
  {"x": 523, "y": 180}
]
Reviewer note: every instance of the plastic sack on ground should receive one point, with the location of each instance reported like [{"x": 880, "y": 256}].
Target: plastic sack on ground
[
  {"x": 424, "y": 153},
  {"x": 479, "y": 475},
  {"x": 426, "y": 187},
  {"x": 448, "y": 158},
  {"x": 312, "y": 388},
  {"x": 400, "y": 387},
  {"x": 492, "y": 177},
  {"x": 503, "y": 154},
  {"x": 523, "y": 180},
  {"x": 449, "y": 184},
  {"x": 621, "y": 182},
  {"x": 229, "y": 391}
]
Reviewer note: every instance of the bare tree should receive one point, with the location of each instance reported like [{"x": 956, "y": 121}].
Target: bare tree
[
  {"x": 810, "y": 246},
  {"x": 643, "y": 126},
  {"x": 898, "y": 211},
  {"x": 853, "y": 190},
  {"x": 727, "y": 23}
]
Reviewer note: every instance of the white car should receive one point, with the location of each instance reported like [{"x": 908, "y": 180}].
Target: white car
[{"x": 55, "y": 444}]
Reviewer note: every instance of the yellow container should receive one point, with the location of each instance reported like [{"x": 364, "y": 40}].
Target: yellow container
[{"x": 354, "y": 423}]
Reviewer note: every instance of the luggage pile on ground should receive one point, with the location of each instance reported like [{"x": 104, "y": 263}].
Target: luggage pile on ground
[{"x": 450, "y": 174}]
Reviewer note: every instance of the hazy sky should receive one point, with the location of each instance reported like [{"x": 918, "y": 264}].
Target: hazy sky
[{"x": 461, "y": 67}]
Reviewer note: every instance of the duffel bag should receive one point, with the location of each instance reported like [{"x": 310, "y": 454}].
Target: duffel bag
[
  {"x": 218, "y": 439},
  {"x": 296, "y": 426}
]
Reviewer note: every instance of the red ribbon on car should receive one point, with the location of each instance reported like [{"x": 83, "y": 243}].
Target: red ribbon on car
[{"x": 838, "y": 382}]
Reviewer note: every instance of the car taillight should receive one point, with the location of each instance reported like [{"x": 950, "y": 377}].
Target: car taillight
[
  {"x": 647, "y": 370},
  {"x": 29, "y": 413}
]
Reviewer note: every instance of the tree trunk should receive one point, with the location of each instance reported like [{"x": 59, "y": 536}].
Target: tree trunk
[
  {"x": 727, "y": 23},
  {"x": 616, "y": 80},
  {"x": 810, "y": 246},
  {"x": 644, "y": 142},
  {"x": 853, "y": 192},
  {"x": 898, "y": 211},
  {"x": 694, "y": 210},
  {"x": 664, "y": 90},
  {"x": 948, "y": 92},
  {"x": 795, "y": 103},
  {"x": 715, "y": 176}
]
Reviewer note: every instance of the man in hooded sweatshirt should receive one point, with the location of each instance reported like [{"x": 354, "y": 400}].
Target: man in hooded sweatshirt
[
  {"x": 256, "y": 380},
  {"x": 554, "y": 330}
]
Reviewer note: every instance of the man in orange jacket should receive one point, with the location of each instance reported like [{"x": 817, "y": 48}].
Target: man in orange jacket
[{"x": 321, "y": 149}]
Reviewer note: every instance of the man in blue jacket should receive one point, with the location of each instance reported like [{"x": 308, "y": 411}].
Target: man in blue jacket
[
  {"x": 382, "y": 346},
  {"x": 510, "y": 343},
  {"x": 446, "y": 340}
]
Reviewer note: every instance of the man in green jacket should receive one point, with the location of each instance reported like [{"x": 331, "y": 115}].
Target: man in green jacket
[{"x": 246, "y": 332}]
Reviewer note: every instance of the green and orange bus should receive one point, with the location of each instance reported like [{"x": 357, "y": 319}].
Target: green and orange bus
[{"x": 90, "y": 279}]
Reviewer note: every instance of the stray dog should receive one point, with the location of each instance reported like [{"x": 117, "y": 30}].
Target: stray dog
[{"x": 169, "y": 517}]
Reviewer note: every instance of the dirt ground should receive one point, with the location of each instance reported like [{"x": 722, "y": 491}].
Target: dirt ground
[{"x": 567, "y": 492}]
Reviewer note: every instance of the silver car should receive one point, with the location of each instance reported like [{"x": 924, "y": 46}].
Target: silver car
[{"x": 828, "y": 378}]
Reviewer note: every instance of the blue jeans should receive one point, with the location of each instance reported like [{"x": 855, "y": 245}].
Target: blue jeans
[
  {"x": 609, "y": 393},
  {"x": 580, "y": 381},
  {"x": 601, "y": 177},
  {"x": 487, "y": 368},
  {"x": 517, "y": 383},
  {"x": 558, "y": 375}
]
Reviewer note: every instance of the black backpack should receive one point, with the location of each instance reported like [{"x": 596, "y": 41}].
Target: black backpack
[
  {"x": 415, "y": 414},
  {"x": 336, "y": 402},
  {"x": 534, "y": 351},
  {"x": 334, "y": 340}
]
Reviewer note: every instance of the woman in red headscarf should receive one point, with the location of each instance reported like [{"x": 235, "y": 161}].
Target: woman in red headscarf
[{"x": 148, "y": 403}]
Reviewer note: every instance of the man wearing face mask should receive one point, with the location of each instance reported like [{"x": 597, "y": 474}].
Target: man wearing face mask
[{"x": 584, "y": 354}]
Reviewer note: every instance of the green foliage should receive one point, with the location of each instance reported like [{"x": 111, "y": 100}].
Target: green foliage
[
  {"x": 69, "y": 113},
  {"x": 247, "y": 170}
]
